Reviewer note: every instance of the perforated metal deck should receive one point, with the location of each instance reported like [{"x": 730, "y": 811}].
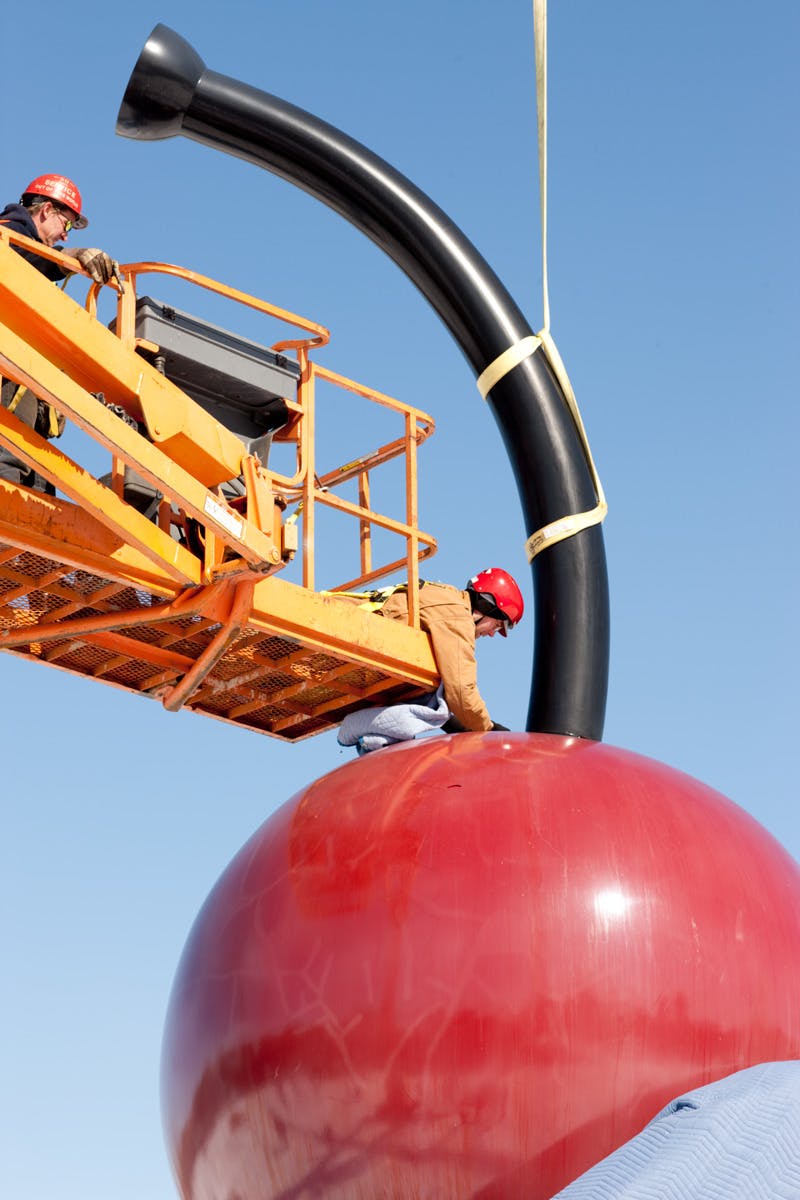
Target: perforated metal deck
[{"x": 115, "y": 633}]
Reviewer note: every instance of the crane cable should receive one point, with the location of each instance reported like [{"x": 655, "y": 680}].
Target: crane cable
[{"x": 564, "y": 527}]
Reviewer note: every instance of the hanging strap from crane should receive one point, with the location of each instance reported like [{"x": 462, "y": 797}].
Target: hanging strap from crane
[{"x": 573, "y": 523}]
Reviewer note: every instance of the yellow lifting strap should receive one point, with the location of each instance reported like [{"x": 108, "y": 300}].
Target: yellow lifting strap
[{"x": 569, "y": 525}]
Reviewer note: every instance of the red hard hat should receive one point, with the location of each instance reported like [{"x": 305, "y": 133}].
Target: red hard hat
[
  {"x": 61, "y": 189},
  {"x": 497, "y": 590}
]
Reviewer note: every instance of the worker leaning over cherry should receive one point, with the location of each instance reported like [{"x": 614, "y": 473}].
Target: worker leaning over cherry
[{"x": 454, "y": 619}]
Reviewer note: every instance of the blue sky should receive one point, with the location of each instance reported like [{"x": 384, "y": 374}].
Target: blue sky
[{"x": 673, "y": 253}]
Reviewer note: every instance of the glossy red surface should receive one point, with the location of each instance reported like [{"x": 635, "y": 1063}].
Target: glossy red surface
[{"x": 471, "y": 967}]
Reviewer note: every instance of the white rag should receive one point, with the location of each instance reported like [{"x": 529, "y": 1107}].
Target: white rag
[
  {"x": 735, "y": 1139},
  {"x": 373, "y": 728}
]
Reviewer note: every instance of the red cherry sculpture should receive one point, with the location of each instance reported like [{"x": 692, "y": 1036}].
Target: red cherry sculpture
[{"x": 472, "y": 966}]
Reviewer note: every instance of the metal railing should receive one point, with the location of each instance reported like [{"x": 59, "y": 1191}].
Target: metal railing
[
  {"x": 307, "y": 487},
  {"x": 283, "y": 503}
]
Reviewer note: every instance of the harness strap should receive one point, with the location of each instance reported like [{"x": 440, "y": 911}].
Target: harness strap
[
  {"x": 52, "y": 413},
  {"x": 376, "y": 597},
  {"x": 15, "y": 399}
]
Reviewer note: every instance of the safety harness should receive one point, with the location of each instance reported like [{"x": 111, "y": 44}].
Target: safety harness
[
  {"x": 52, "y": 414},
  {"x": 377, "y": 597}
]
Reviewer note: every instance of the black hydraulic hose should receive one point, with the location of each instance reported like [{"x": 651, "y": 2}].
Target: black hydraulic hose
[{"x": 172, "y": 92}]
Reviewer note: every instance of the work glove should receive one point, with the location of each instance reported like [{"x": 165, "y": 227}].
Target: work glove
[
  {"x": 49, "y": 421},
  {"x": 96, "y": 263},
  {"x": 453, "y": 725}
]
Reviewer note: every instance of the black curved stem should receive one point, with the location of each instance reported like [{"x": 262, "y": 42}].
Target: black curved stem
[{"x": 171, "y": 92}]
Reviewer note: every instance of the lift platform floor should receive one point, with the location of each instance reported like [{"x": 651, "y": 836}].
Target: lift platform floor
[{"x": 268, "y": 656}]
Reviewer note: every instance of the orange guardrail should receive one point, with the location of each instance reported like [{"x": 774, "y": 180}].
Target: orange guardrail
[{"x": 186, "y": 436}]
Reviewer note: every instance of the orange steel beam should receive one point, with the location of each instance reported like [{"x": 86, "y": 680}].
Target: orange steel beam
[
  {"x": 24, "y": 363},
  {"x": 58, "y": 530},
  {"x": 90, "y": 494},
  {"x": 61, "y": 331},
  {"x": 231, "y": 628}
]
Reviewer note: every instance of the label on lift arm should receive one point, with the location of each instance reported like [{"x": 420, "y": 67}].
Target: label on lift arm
[{"x": 223, "y": 516}]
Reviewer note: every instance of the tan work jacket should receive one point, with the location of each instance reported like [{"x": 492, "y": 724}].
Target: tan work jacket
[{"x": 445, "y": 613}]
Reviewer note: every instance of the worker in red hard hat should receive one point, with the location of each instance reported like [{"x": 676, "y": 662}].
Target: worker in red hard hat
[
  {"x": 454, "y": 618},
  {"x": 48, "y": 210},
  {"x": 495, "y": 596}
]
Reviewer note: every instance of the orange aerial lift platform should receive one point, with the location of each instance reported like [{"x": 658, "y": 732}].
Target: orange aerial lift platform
[{"x": 161, "y": 572}]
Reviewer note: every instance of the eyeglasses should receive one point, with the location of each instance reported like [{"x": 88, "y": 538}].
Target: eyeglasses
[
  {"x": 66, "y": 220},
  {"x": 497, "y": 614}
]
